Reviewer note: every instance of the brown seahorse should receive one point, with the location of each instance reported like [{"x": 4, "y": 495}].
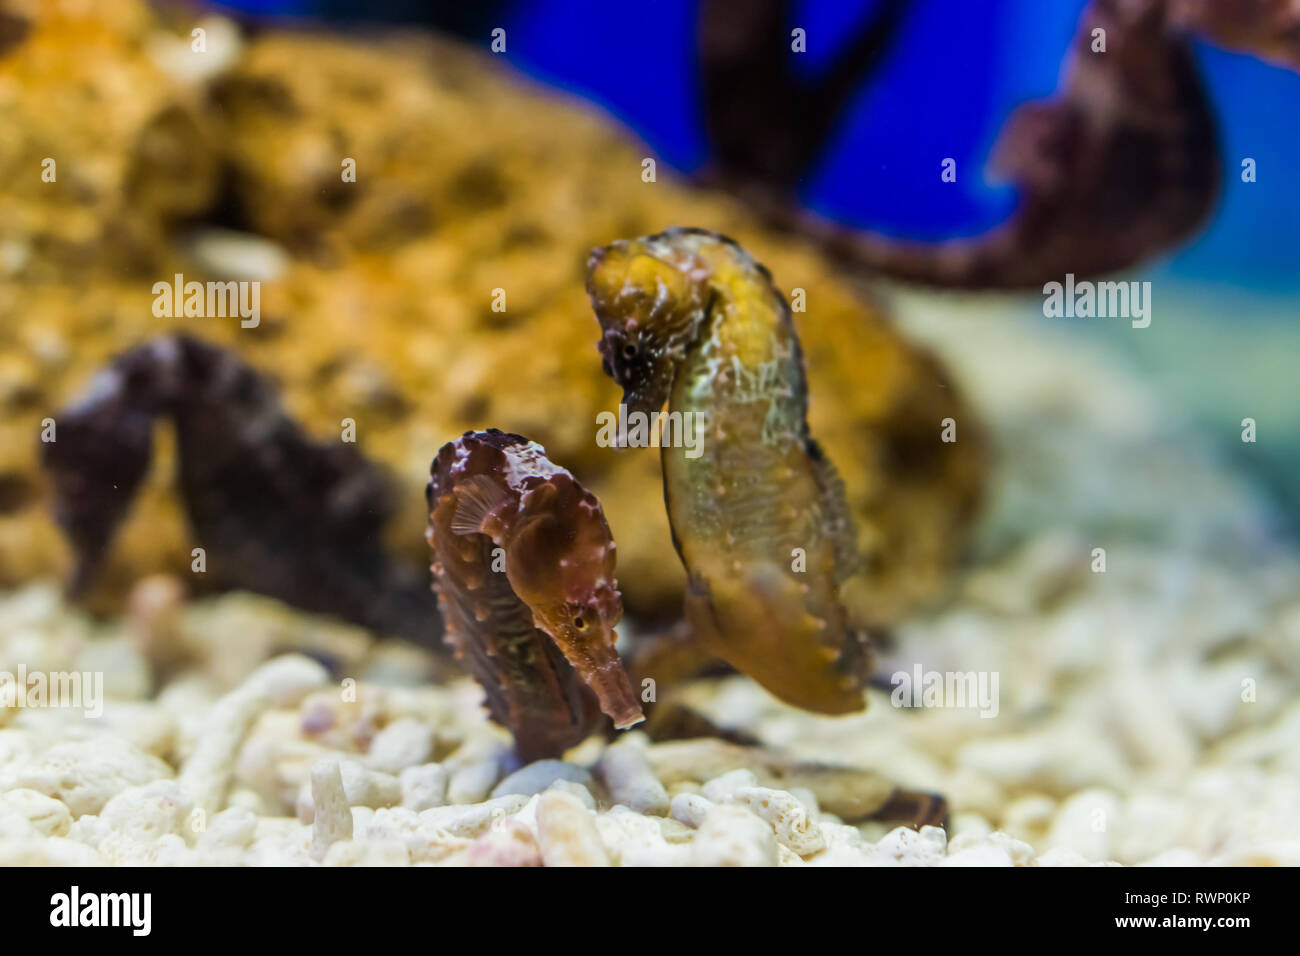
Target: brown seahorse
[
  {"x": 276, "y": 511},
  {"x": 1123, "y": 163},
  {"x": 758, "y": 513},
  {"x": 1269, "y": 29},
  {"x": 524, "y": 568}
]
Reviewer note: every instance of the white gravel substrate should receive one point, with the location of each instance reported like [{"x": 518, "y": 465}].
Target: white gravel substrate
[{"x": 1146, "y": 715}]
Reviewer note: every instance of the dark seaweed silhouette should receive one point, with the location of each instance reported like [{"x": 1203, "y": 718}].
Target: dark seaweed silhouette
[
  {"x": 275, "y": 512},
  {"x": 767, "y": 126}
]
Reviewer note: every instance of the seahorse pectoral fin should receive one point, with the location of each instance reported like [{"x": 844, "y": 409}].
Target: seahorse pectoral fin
[{"x": 477, "y": 497}]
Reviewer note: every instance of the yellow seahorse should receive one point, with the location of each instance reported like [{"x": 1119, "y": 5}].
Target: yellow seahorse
[{"x": 758, "y": 513}]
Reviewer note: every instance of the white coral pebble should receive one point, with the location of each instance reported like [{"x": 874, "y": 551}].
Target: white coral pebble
[
  {"x": 566, "y": 832},
  {"x": 470, "y": 821},
  {"x": 539, "y": 775},
  {"x": 841, "y": 835},
  {"x": 788, "y": 818},
  {"x": 422, "y": 842},
  {"x": 232, "y": 828},
  {"x": 633, "y": 839},
  {"x": 404, "y": 743},
  {"x": 369, "y": 788},
  {"x": 333, "y": 817},
  {"x": 85, "y": 774},
  {"x": 148, "y": 813},
  {"x": 690, "y": 808},
  {"x": 908, "y": 847},
  {"x": 51, "y": 851},
  {"x": 362, "y": 787},
  {"x": 1060, "y": 857},
  {"x": 367, "y": 853},
  {"x": 1021, "y": 853},
  {"x": 509, "y": 844},
  {"x": 424, "y": 787},
  {"x": 1084, "y": 823},
  {"x": 984, "y": 855},
  {"x": 578, "y": 790},
  {"x": 627, "y": 776},
  {"x": 45, "y": 815},
  {"x": 474, "y": 772},
  {"x": 280, "y": 682},
  {"x": 722, "y": 788},
  {"x": 732, "y": 836}
]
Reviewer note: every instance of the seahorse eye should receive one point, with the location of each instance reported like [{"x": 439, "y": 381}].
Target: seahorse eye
[
  {"x": 579, "y": 623},
  {"x": 629, "y": 350}
]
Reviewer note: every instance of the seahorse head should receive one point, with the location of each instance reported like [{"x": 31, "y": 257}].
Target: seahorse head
[
  {"x": 650, "y": 296},
  {"x": 560, "y": 560}
]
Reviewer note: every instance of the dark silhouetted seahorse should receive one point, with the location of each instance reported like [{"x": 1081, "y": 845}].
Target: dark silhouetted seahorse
[
  {"x": 758, "y": 515},
  {"x": 524, "y": 567}
]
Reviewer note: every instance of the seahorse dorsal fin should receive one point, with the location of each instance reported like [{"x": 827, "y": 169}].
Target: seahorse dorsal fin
[{"x": 476, "y": 498}]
